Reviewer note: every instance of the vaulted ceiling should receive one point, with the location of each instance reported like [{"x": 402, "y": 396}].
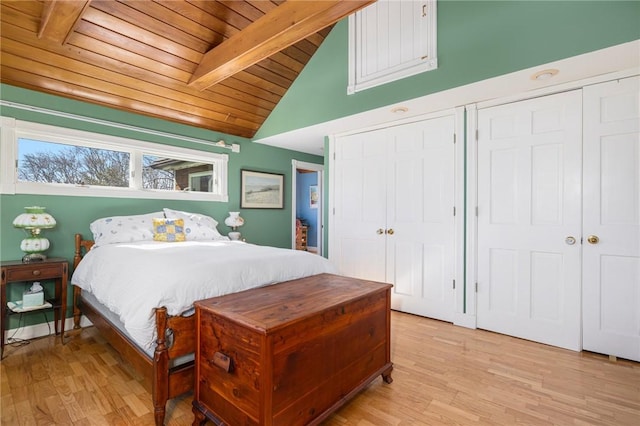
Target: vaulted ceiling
[{"x": 219, "y": 65}]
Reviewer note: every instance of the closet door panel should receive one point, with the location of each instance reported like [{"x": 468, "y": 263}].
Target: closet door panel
[
  {"x": 405, "y": 270},
  {"x": 611, "y": 265},
  {"x": 358, "y": 246},
  {"x": 420, "y": 204},
  {"x": 529, "y": 207}
]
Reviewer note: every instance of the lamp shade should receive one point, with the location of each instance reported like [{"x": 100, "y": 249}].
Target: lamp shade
[
  {"x": 234, "y": 220},
  {"x": 34, "y": 218}
]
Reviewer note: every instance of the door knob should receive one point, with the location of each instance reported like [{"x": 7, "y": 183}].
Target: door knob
[
  {"x": 593, "y": 239},
  {"x": 380, "y": 231},
  {"x": 570, "y": 240},
  {"x": 390, "y": 231}
]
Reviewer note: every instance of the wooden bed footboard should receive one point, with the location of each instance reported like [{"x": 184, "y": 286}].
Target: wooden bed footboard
[{"x": 176, "y": 338}]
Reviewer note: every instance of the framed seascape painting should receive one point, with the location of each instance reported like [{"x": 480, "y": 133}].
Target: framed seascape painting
[{"x": 259, "y": 190}]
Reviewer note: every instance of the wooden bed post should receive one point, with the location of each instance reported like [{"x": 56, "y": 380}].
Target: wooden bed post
[
  {"x": 161, "y": 368},
  {"x": 77, "y": 314},
  {"x": 77, "y": 257}
]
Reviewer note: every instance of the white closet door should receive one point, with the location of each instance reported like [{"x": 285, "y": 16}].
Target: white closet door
[
  {"x": 529, "y": 213},
  {"x": 358, "y": 239},
  {"x": 611, "y": 271},
  {"x": 420, "y": 252},
  {"x": 393, "y": 220}
]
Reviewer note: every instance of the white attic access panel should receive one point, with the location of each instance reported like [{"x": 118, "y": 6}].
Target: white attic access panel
[{"x": 390, "y": 40}]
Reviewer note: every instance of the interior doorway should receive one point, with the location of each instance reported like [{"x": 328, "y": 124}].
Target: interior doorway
[{"x": 308, "y": 199}]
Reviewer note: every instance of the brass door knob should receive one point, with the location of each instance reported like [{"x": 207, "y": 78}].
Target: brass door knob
[
  {"x": 380, "y": 231},
  {"x": 593, "y": 239},
  {"x": 390, "y": 231}
]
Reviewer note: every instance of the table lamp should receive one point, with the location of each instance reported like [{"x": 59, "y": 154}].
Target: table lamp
[
  {"x": 234, "y": 221},
  {"x": 34, "y": 220}
]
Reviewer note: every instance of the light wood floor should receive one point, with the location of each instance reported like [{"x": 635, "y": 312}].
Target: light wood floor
[{"x": 443, "y": 375}]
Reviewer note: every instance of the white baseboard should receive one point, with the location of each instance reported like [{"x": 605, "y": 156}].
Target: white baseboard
[{"x": 42, "y": 329}]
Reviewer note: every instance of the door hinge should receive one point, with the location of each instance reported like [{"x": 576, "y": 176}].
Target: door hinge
[
  {"x": 454, "y": 284},
  {"x": 477, "y": 137},
  {"x": 454, "y": 138},
  {"x": 334, "y": 156},
  {"x": 476, "y": 287},
  {"x": 454, "y": 210},
  {"x": 334, "y": 211},
  {"x": 476, "y": 211}
]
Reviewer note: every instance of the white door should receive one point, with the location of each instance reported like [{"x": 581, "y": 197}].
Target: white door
[
  {"x": 393, "y": 218},
  {"x": 420, "y": 200},
  {"x": 529, "y": 214},
  {"x": 611, "y": 271},
  {"x": 357, "y": 242}
]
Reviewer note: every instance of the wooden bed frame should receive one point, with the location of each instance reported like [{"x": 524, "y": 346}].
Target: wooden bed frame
[{"x": 176, "y": 338}]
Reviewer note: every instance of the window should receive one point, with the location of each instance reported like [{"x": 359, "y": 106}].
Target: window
[
  {"x": 158, "y": 173},
  {"x": 175, "y": 174},
  {"x": 48, "y": 162},
  {"x": 43, "y": 159}
]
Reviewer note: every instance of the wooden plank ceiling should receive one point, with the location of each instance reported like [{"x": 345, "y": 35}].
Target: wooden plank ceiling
[{"x": 219, "y": 65}]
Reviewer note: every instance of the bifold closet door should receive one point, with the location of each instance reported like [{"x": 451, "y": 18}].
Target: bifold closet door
[
  {"x": 393, "y": 213},
  {"x": 611, "y": 251},
  {"x": 529, "y": 219}
]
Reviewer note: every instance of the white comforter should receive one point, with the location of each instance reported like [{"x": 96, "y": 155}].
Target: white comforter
[{"x": 134, "y": 278}]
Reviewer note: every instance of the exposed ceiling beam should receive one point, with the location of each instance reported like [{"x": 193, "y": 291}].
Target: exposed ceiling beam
[
  {"x": 285, "y": 25},
  {"x": 59, "y": 18}
]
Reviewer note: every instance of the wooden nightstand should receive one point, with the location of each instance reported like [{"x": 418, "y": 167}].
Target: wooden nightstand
[{"x": 50, "y": 269}]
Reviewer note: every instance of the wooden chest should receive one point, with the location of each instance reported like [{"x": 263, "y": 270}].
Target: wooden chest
[{"x": 290, "y": 353}]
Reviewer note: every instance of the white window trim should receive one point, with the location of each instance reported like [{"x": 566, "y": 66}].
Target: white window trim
[{"x": 11, "y": 130}]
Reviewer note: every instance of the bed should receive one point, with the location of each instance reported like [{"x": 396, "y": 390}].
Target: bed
[{"x": 139, "y": 290}]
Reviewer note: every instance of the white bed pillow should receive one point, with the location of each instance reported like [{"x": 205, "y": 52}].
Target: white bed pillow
[
  {"x": 197, "y": 226},
  {"x": 124, "y": 229}
]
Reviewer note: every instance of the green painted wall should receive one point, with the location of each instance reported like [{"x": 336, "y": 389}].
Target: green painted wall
[
  {"x": 477, "y": 40},
  {"x": 74, "y": 214}
]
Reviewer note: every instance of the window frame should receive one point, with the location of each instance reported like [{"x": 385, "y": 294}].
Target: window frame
[{"x": 11, "y": 130}]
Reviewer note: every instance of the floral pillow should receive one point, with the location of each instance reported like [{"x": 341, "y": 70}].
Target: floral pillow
[
  {"x": 123, "y": 229},
  {"x": 196, "y": 226},
  {"x": 169, "y": 230}
]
